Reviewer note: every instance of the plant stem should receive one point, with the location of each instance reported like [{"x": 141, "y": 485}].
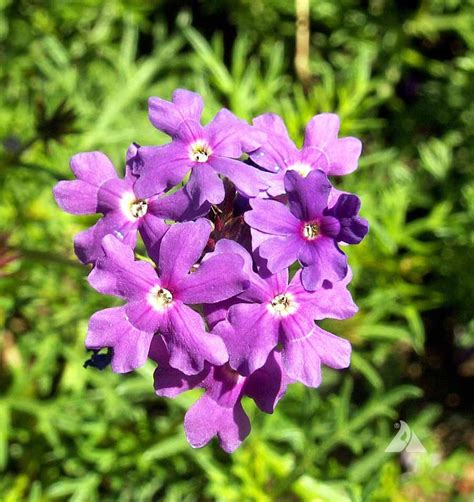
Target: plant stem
[{"x": 302, "y": 41}]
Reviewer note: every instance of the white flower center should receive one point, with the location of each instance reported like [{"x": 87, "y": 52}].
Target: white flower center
[
  {"x": 139, "y": 208},
  {"x": 301, "y": 168},
  {"x": 160, "y": 298},
  {"x": 200, "y": 151},
  {"x": 283, "y": 305},
  {"x": 133, "y": 208},
  {"x": 311, "y": 231}
]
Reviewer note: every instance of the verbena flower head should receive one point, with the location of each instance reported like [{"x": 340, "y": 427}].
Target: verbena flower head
[
  {"x": 322, "y": 149},
  {"x": 219, "y": 411},
  {"x": 98, "y": 189},
  {"x": 213, "y": 303},
  {"x": 205, "y": 151},
  {"x": 157, "y": 300},
  {"x": 307, "y": 230}
]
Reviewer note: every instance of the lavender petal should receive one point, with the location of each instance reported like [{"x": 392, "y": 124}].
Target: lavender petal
[
  {"x": 110, "y": 328},
  {"x": 167, "y": 116},
  {"x": 253, "y": 336},
  {"x": 307, "y": 196},
  {"x": 272, "y": 217},
  {"x": 216, "y": 279},
  {"x": 181, "y": 248},
  {"x": 206, "y": 419}
]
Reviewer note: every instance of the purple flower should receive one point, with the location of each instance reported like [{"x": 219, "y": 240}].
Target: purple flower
[
  {"x": 307, "y": 230},
  {"x": 277, "y": 313},
  {"x": 98, "y": 189},
  {"x": 321, "y": 149},
  {"x": 157, "y": 301},
  {"x": 219, "y": 411},
  {"x": 205, "y": 151}
]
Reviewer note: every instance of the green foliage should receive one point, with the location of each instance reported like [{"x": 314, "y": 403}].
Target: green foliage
[{"x": 75, "y": 77}]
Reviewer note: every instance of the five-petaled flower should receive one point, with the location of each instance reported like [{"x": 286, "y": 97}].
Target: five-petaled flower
[
  {"x": 307, "y": 230},
  {"x": 98, "y": 189},
  {"x": 157, "y": 301},
  {"x": 206, "y": 151},
  {"x": 272, "y": 313},
  {"x": 322, "y": 149}
]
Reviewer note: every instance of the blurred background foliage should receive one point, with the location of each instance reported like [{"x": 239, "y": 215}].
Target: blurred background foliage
[{"x": 75, "y": 76}]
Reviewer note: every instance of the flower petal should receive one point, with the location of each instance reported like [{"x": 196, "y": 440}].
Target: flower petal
[
  {"x": 88, "y": 244},
  {"x": 117, "y": 273},
  {"x": 110, "y": 328},
  {"x": 167, "y": 116},
  {"x": 217, "y": 312},
  {"x": 160, "y": 167},
  {"x": 354, "y": 231},
  {"x": 280, "y": 252},
  {"x": 272, "y": 123},
  {"x": 204, "y": 185},
  {"x": 352, "y": 227},
  {"x": 206, "y": 419},
  {"x": 276, "y": 185},
  {"x": 190, "y": 131},
  {"x": 304, "y": 350},
  {"x": 322, "y": 260},
  {"x": 144, "y": 317},
  {"x": 76, "y": 197},
  {"x": 168, "y": 381},
  {"x": 224, "y": 133},
  {"x": 258, "y": 289},
  {"x": 331, "y": 300},
  {"x": 321, "y": 129},
  {"x": 224, "y": 385},
  {"x": 272, "y": 217},
  {"x": 330, "y": 226},
  {"x": 268, "y": 384},
  {"x": 334, "y": 195},
  {"x": 247, "y": 179},
  {"x": 346, "y": 206},
  {"x": 188, "y": 343},
  {"x": 333, "y": 351},
  {"x": 343, "y": 155},
  {"x": 177, "y": 206},
  {"x": 315, "y": 158},
  {"x": 152, "y": 230},
  {"x": 92, "y": 167},
  {"x": 300, "y": 357},
  {"x": 86, "y": 247},
  {"x": 278, "y": 151},
  {"x": 253, "y": 336},
  {"x": 277, "y": 283},
  {"x": 181, "y": 248},
  {"x": 308, "y": 196},
  {"x": 111, "y": 194},
  {"x": 230, "y": 136},
  {"x": 227, "y": 246},
  {"x": 216, "y": 279}
]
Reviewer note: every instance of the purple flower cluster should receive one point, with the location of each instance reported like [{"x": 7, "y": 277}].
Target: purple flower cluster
[{"x": 226, "y": 213}]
